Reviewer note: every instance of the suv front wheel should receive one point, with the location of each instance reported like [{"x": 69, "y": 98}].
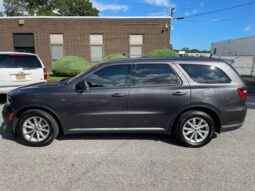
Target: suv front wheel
[
  {"x": 195, "y": 129},
  {"x": 37, "y": 128}
]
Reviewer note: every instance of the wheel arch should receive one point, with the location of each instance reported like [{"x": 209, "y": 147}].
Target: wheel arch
[
  {"x": 209, "y": 110},
  {"x": 37, "y": 107}
]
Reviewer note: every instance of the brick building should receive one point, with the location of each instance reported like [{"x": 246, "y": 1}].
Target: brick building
[{"x": 87, "y": 37}]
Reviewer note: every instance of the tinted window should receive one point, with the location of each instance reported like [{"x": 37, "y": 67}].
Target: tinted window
[
  {"x": 155, "y": 74},
  {"x": 110, "y": 76},
  {"x": 23, "y": 42},
  {"x": 205, "y": 73},
  {"x": 19, "y": 61}
]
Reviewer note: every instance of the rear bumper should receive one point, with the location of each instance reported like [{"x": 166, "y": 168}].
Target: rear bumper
[
  {"x": 231, "y": 127},
  {"x": 9, "y": 124},
  {"x": 235, "y": 119},
  {"x": 5, "y": 90}
]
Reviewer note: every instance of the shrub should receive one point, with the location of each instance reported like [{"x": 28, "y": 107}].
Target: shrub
[
  {"x": 165, "y": 52},
  {"x": 113, "y": 57},
  {"x": 70, "y": 66}
]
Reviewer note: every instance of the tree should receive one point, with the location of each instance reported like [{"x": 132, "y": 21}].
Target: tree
[
  {"x": 185, "y": 49},
  {"x": 165, "y": 52},
  {"x": 14, "y": 7},
  {"x": 76, "y": 8},
  {"x": 1, "y": 14},
  {"x": 40, "y": 7},
  {"x": 49, "y": 8},
  {"x": 194, "y": 51}
]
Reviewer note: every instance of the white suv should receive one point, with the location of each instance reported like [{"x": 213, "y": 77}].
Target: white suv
[{"x": 19, "y": 69}]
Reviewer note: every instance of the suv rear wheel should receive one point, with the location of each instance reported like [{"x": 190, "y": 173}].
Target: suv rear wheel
[
  {"x": 37, "y": 128},
  {"x": 195, "y": 129}
]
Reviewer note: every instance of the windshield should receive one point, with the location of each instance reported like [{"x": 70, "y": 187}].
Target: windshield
[{"x": 19, "y": 61}]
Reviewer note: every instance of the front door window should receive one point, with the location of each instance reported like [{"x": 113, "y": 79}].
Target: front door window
[{"x": 110, "y": 76}]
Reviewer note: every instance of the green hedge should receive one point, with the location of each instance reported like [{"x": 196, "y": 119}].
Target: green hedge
[
  {"x": 70, "y": 66},
  {"x": 165, "y": 52},
  {"x": 113, "y": 57}
]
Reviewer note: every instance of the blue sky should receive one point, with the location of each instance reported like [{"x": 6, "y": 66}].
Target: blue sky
[{"x": 188, "y": 33}]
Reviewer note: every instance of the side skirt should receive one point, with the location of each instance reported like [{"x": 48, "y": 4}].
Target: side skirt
[{"x": 118, "y": 130}]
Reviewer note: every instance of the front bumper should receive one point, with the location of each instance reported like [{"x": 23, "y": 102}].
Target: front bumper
[{"x": 10, "y": 124}]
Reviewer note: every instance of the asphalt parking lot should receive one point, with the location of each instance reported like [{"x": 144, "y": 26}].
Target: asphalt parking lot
[{"x": 132, "y": 162}]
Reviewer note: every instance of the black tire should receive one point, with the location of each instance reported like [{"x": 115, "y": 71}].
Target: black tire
[
  {"x": 179, "y": 134},
  {"x": 53, "y": 127}
]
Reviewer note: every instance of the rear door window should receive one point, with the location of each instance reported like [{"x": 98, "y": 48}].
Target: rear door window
[
  {"x": 206, "y": 74},
  {"x": 19, "y": 61},
  {"x": 155, "y": 74}
]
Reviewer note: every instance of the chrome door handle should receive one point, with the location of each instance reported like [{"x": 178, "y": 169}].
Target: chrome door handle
[
  {"x": 179, "y": 93},
  {"x": 118, "y": 95}
]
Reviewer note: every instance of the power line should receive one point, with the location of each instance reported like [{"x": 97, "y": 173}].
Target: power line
[
  {"x": 216, "y": 11},
  {"x": 220, "y": 20}
]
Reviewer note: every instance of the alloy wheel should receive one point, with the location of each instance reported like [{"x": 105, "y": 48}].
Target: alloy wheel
[
  {"x": 195, "y": 130},
  {"x": 35, "y": 129}
]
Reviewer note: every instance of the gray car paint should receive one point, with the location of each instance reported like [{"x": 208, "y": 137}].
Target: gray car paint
[{"x": 141, "y": 109}]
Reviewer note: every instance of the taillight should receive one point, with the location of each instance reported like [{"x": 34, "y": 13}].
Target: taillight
[
  {"x": 44, "y": 74},
  {"x": 242, "y": 93}
]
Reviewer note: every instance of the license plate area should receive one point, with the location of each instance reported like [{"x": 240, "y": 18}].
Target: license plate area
[{"x": 20, "y": 77}]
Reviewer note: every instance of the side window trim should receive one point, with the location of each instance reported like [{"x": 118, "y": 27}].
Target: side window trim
[{"x": 133, "y": 74}]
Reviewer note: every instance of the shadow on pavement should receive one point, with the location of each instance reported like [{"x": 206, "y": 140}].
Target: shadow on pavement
[
  {"x": 116, "y": 136},
  {"x": 155, "y": 137},
  {"x": 6, "y": 135}
]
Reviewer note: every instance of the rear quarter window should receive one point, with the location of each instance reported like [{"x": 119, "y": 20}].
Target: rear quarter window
[
  {"x": 19, "y": 61},
  {"x": 206, "y": 74}
]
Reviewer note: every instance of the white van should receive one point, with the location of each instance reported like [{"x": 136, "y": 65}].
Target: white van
[{"x": 19, "y": 69}]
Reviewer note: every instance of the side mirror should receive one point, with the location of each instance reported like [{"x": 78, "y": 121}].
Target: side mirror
[{"x": 81, "y": 86}]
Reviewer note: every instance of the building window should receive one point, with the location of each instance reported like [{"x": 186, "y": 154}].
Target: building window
[
  {"x": 136, "y": 46},
  {"x": 96, "y": 47},
  {"x": 24, "y": 42},
  {"x": 214, "y": 51},
  {"x": 57, "y": 46}
]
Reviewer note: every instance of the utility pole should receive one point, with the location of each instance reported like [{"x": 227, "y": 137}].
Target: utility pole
[
  {"x": 172, "y": 12},
  {"x": 171, "y": 23}
]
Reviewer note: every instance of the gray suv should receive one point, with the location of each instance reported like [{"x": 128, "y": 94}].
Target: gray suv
[{"x": 191, "y": 97}]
